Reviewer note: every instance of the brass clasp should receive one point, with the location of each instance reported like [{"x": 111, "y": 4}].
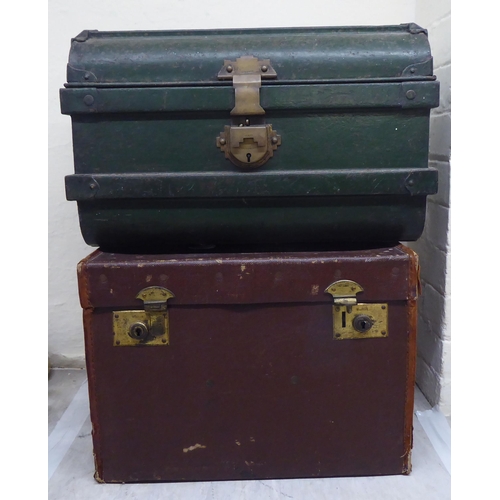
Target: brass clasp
[
  {"x": 248, "y": 142},
  {"x": 352, "y": 320},
  {"x": 147, "y": 327}
]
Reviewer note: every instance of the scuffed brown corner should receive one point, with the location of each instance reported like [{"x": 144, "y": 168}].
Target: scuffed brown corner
[
  {"x": 96, "y": 473},
  {"x": 97, "y": 478},
  {"x": 407, "y": 464}
]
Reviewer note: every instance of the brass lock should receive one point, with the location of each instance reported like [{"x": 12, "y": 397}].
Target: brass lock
[
  {"x": 248, "y": 142},
  {"x": 147, "y": 327},
  {"x": 249, "y": 146},
  {"x": 352, "y": 320}
]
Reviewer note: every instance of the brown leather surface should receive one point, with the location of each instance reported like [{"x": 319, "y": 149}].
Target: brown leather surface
[
  {"x": 114, "y": 279},
  {"x": 255, "y": 388}
]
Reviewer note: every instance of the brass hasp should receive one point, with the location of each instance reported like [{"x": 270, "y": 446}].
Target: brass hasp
[
  {"x": 353, "y": 320},
  {"x": 249, "y": 142},
  {"x": 144, "y": 327}
]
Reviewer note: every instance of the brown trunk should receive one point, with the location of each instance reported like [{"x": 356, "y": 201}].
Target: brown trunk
[{"x": 252, "y": 384}]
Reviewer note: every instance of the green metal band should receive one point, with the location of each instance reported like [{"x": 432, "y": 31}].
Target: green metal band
[
  {"x": 414, "y": 182},
  {"x": 319, "y": 97}
]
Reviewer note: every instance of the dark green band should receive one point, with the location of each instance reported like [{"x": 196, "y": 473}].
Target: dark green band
[
  {"x": 316, "y": 97},
  {"x": 412, "y": 182}
]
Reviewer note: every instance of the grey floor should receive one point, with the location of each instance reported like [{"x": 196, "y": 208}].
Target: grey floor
[{"x": 71, "y": 465}]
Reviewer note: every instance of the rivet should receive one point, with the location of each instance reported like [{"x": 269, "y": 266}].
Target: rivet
[
  {"x": 117, "y": 342},
  {"x": 229, "y": 69},
  {"x": 88, "y": 100},
  {"x": 247, "y": 122},
  {"x": 411, "y": 94},
  {"x": 337, "y": 335},
  {"x": 222, "y": 141},
  {"x": 411, "y": 182},
  {"x": 274, "y": 140},
  {"x": 92, "y": 186},
  {"x": 264, "y": 68},
  {"x": 116, "y": 316},
  {"x": 384, "y": 333},
  {"x": 383, "y": 307},
  {"x": 86, "y": 76},
  {"x": 412, "y": 70},
  {"x": 164, "y": 341}
]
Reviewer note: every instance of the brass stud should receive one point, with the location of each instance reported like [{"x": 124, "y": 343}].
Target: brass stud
[
  {"x": 247, "y": 122},
  {"x": 274, "y": 140},
  {"x": 222, "y": 141},
  {"x": 229, "y": 69},
  {"x": 264, "y": 68}
]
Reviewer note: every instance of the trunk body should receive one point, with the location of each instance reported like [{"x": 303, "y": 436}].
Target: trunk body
[
  {"x": 350, "y": 106},
  {"x": 253, "y": 382}
]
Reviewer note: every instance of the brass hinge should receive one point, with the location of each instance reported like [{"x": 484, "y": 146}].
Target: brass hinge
[
  {"x": 144, "y": 327},
  {"x": 353, "y": 320},
  {"x": 248, "y": 142}
]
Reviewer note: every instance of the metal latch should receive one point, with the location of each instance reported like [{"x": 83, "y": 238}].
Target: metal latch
[
  {"x": 352, "y": 320},
  {"x": 248, "y": 142},
  {"x": 144, "y": 327}
]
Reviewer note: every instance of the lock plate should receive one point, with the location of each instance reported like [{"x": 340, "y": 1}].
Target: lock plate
[
  {"x": 124, "y": 321},
  {"x": 353, "y": 320},
  {"x": 344, "y": 322},
  {"x": 144, "y": 327},
  {"x": 249, "y": 146}
]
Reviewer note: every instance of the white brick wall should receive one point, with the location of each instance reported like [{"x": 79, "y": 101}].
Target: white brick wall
[{"x": 434, "y": 333}]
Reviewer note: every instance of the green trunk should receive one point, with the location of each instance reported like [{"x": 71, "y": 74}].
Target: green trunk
[{"x": 351, "y": 107}]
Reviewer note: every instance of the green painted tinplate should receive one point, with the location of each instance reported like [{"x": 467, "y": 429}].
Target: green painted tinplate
[
  {"x": 308, "y": 183},
  {"x": 351, "y": 106},
  {"x": 185, "y": 142},
  {"x": 149, "y": 57},
  {"x": 164, "y": 225},
  {"x": 312, "y": 97}
]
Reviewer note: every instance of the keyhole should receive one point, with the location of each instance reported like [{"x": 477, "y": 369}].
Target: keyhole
[
  {"x": 249, "y": 155},
  {"x": 362, "y": 323},
  {"x": 139, "y": 331}
]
